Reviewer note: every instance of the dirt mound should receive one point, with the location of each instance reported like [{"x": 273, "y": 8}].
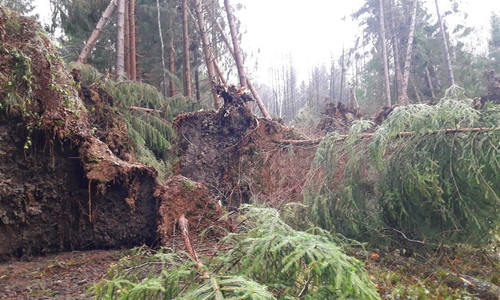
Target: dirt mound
[
  {"x": 61, "y": 187},
  {"x": 337, "y": 117},
  {"x": 181, "y": 196}
]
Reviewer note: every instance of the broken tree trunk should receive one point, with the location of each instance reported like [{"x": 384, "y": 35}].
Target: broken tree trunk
[
  {"x": 120, "y": 40},
  {"x": 82, "y": 58}
]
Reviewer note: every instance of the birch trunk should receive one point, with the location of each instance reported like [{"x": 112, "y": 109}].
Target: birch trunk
[
  {"x": 384, "y": 54},
  {"x": 403, "y": 98},
  {"x": 207, "y": 53},
  {"x": 187, "y": 64},
  {"x": 163, "y": 69},
  {"x": 446, "y": 49},
  {"x": 82, "y": 58},
  {"x": 120, "y": 43}
]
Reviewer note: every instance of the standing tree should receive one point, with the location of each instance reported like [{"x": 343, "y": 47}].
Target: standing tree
[
  {"x": 185, "y": 35},
  {"x": 164, "y": 76},
  {"x": 209, "y": 59},
  {"x": 132, "y": 46},
  {"x": 120, "y": 41},
  {"x": 384, "y": 54},
  {"x": 403, "y": 98}
]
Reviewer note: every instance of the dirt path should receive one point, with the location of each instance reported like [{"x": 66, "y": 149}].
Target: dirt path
[{"x": 66, "y": 275}]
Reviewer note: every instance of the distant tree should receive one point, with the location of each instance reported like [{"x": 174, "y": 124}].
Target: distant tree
[
  {"x": 185, "y": 36},
  {"x": 23, "y": 7},
  {"x": 494, "y": 43},
  {"x": 384, "y": 54}
]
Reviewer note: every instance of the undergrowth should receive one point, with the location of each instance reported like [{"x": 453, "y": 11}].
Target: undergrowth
[{"x": 268, "y": 260}]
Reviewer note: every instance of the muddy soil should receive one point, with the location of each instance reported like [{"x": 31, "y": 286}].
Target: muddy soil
[{"x": 65, "y": 275}]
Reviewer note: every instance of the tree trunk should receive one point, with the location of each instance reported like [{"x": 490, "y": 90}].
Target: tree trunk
[
  {"x": 403, "y": 98},
  {"x": 207, "y": 53},
  {"x": 429, "y": 82},
  {"x": 197, "y": 74},
  {"x": 171, "y": 60},
  {"x": 82, "y": 58},
  {"x": 133, "y": 52},
  {"x": 384, "y": 54},
  {"x": 120, "y": 43},
  {"x": 446, "y": 49},
  {"x": 187, "y": 63},
  {"x": 163, "y": 69},
  {"x": 342, "y": 73},
  {"x": 127, "y": 41},
  {"x": 239, "y": 62},
  {"x": 236, "y": 47},
  {"x": 398, "y": 74}
]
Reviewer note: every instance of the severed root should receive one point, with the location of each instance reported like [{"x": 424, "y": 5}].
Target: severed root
[{"x": 184, "y": 228}]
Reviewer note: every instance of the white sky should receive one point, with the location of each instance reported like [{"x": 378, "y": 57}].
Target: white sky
[{"x": 311, "y": 31}]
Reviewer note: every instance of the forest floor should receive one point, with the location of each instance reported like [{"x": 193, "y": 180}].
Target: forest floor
[{"x": 70, "y": 275}]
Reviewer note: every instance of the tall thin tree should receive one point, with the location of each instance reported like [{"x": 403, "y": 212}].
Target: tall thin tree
[
  {"x": 133, "y": 51},
  {"x": 403, "y": 98},
  {"x": 209, "y": 59},
  {"x": 163, "y": 69},
  {"x": 384, "y": 54},
  {"x": 187, "y": 64},
  {"x": 451, "y": 77},
  {"x": 120, "y": 40}
]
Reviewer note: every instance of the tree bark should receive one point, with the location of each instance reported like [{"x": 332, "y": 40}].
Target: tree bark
[
  {"x": 403, "y": 98},
  {"x": 398, "y": 74},
  {"x": 133, "y": 51},
  {"x": 171, "y": 84},
  {"x": 127, "y": 40},
  {"x": 429, "y": 82},
  {"x": 163, "y": 69},
  {"x": 187, "y": 64},
  {"x": 236, "y": 47},
  {"x": 236, "y": 52},
  {"x": 451, "y": 77},
  {"x": 384, "y": 54},
  {"x": 207, "y": 53},
  {"x": 82, "y": 58},
  {"x": 120, "y": 43}
]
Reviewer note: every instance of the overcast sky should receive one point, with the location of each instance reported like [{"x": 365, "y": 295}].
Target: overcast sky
[{"x": 311, "y": 31}]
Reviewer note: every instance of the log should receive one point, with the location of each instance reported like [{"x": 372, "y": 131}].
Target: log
[
  {"x": 370, "y": 135},
  {"x": 149, "y": 110}
]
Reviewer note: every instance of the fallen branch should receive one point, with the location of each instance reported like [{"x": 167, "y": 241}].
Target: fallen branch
[
  {"x": 183, "y": 227},
  {"x": 149, "y": 110},
  {"x": 343, "y": 137}
]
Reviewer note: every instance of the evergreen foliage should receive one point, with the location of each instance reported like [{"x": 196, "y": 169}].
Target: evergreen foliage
[
  {"x": 88, "y": 73},
  {"x": 267, "y": 256},
  {"x": 423, "y": 176}
]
